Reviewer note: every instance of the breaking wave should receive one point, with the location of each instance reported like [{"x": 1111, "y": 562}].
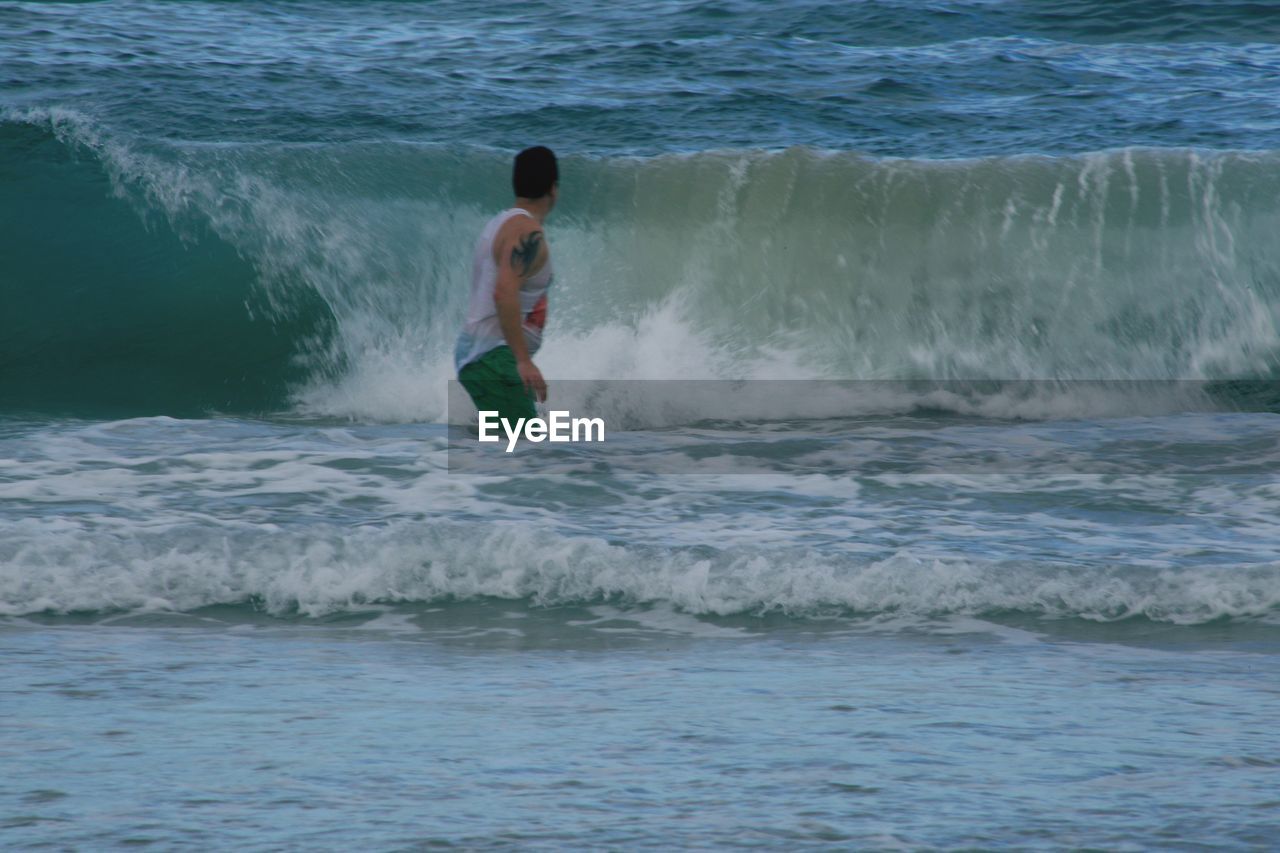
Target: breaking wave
[
  {"x": 328, "y": 279},
  {"x": 56, "y": 566}
]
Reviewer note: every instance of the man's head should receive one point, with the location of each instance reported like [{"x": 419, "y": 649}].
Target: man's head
[{"x": 536, "y": 176}]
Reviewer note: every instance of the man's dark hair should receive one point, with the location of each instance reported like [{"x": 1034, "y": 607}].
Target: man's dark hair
[{"x": 534, "y": 173}]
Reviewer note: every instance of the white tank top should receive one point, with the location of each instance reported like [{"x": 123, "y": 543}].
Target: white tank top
[{"x": 482, "y": 331}]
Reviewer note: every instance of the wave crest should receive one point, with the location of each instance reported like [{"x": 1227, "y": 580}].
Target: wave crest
[
  {"x": 348, "y": 265},
  {"x": 56, "y": 566}
]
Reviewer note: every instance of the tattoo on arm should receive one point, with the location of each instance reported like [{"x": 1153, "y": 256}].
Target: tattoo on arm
[{"x": 525, "y": 253}]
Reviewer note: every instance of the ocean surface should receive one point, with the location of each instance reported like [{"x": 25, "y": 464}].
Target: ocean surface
[{"x": 968, "y": 538}]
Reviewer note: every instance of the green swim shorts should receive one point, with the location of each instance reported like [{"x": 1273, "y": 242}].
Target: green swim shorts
[{"x": 494, "y": 385}]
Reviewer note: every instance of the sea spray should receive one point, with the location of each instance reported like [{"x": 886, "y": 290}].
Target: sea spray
[{"x": 1127, "y": 264}]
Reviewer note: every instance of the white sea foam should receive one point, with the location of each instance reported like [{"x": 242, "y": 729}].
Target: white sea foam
[
  {"x": 61, "y": 565},
  {"x": 162, "y": 513}
]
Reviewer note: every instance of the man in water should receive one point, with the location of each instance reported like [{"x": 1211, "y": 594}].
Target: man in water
[{"x": 510, "y": 275}]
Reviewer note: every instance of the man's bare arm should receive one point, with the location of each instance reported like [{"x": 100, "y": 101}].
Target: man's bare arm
[{"x": 517, "y": 259}]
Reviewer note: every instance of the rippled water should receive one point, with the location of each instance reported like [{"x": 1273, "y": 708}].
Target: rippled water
[
  {"x": 497, "y": 725},
  {"x": 925, "y": 520},
  {"x": 888, "y": 77},
  {"x": 310, "y": 634}
]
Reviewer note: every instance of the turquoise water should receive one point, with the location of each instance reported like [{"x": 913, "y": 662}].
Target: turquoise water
[
  {"x": 497, "y": 725},
  {"x": 970, "y": 538}
]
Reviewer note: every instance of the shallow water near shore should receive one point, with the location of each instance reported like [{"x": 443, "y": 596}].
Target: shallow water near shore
[
  {"x": 499, "y": 725},
  {"x": 298, "y": 633}
]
